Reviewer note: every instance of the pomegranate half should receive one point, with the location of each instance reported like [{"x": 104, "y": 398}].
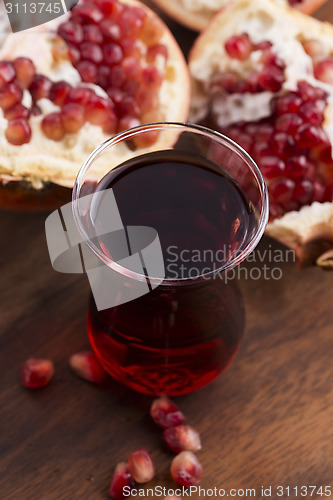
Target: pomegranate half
[
  {"x": 263, "y": 75},
  {"x": 196, "y": 14},
  {"x": 70, "y": 84}
]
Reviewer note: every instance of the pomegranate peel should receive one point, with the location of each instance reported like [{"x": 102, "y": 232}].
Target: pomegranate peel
[{"x": 283, "y": 118}]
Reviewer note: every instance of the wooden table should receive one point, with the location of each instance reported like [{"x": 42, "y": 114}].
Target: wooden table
[{"x": 267, "y": 421}]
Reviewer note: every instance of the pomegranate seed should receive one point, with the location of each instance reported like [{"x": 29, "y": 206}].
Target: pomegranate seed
[
  {"x": 115, "y": 95},
  {"x": 181, "y": 438},
  {"x": 103, "y": 73},
  {"x": 319, "y": 191},
  {"x": 156, "y": 51},
  {"x": 59, "y": 91},
  {"x": 329, "y": 192},
  {"x": 117, "y": 76},
  {"x": 303, "y": 192},
  {"x": 121, "y": 478},
  {"x": 130, "y": 88},
  {"x": 17, "y": 111},
  {"x": 113, "y": 53},
  {"x": 73, "y": 54},
  {"x": 87, "y": 13},
  {"x": 147, "y": 99},
  {"x": 309, "y": 136},
  {"x": 40, "y": 87},
  {"x": 25, "y": 71},
  {"x": 166, "y": 413},
  {"x": 151, "y": 77},
  {"x": 72, "y": 117},
  {"x": 92, "y": 33},
  {"x": 266, "y": 44},
  {"x": 130, "y": 48},
  {"x": 128, "y": 106},
  {"x": 282, "y": 144},
  {"x": 7, "y": 73},
  {"x": 186, "y": 469},
  {"x": 91, "y": 52},
  {"x": 287, "y": 104},
  {"x": 288, "y": 123},
  {"x": 85, "y": 365},
  {"x": 18, "y": 132},
  {"x": 275, "y": 211},
  {"x": 141, "y": 466},
  {"x": 52, "y": 127},
  {"x": 281, "y": 190},
  {"x": 110, "y": 31},
  {"x": 296, "y": 167},
  {"x": 226, "y": 81},
  {"x": 36, "y": 373},
  {"x": 80, "y": 95},
  {"x": 131, "y": 66},
  {"x": 88, "y": 71},
  {"x": 10, "y": 95},
  {"x": 323, "y": 70},
  {"x": 111, "y": 8},
  {"x": 270, "y": 60},
  {"x": 239, "y": 46},
  {"x": 272, "y": 167},
  {"x": 314, "y": 48},
  {"x": 99, "y": 112},
  {"x": 71, "y": 32},
  {"x": 152, "y": 30},
  {"x": 130, "y": 22},
  {"x": 271, "y": 78},
  {"x": 128, "y": 122},
  {"x": 309, "y": 93}
]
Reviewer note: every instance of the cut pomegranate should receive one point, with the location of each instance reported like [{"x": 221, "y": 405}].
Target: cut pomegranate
[
  {"x": 166, "y": 413},
  {"x": 141, "y": 466},
  {"x": 182, "y": 438},
  {"x": 72, "y": 117},
  {"x": 18, "y": 132},
  {"x": 121, "y": 479},
  {"x": 36, "y": 373},
  {"x": 10, "y": 95},
  {"x": 52, "y": 127},
  {"x": 40, "y": 87},
  {"x": 99, "y": 112},
  {"x": 186, "y": 469},
  {"x": 85, "y": 365},
  {"x": 7, "y": 73},
  {"x": 59, "y": 91},
  {"x": 239, "y": 46},
  {"x": 25, "y": 71}
]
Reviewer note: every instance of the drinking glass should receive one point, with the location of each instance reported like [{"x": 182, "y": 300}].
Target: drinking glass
[{"x": 200, "y": 201}]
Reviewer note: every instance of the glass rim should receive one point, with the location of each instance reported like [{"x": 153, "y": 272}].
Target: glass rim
[{"x": 185, "y": 127}]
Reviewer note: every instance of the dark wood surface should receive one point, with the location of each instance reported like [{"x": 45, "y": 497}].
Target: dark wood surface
[{"x": 267, "y": 421}]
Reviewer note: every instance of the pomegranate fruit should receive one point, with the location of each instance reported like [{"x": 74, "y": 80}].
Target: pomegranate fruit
[
  {"x": 281, "y": 116},
  {"x": 197, "y": 14},
  {"x": 107, "y": 66}
]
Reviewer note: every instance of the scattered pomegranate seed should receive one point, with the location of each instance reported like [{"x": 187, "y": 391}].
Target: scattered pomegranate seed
[
  {"x": 172, "y": 497},
  {"x": 10, "y": 95},
  {"x": 323, "y": 70},
  {"x": 18, "y": 132},
  {"x": 59, "y": 91},
  {"x": 239, "y": 46},
  {"x": 25, "y": 71},
  {"x": 40, "y": 87},
  {"x": 182, "y": 438},
  {"x": 7, "y": 73},
  {"x": 121, "y": 478},
  {"x": 85, "y": 365},
  {"x": 17, "y": 111},
  {"x": 36, "y": 373},
  {"x": 72, "y": 117},
  {"x": 166, "y": 413},
  {"x": 52, "y": 127},
  {"x": 186, "y": 469},
  {"x": 141, "y": 466}
]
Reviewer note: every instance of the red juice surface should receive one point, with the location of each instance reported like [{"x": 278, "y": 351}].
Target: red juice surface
[{"x": 185, "y": 332}]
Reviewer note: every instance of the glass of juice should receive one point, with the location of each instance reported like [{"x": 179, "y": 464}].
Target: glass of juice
[{"x": 206, "y": 203}]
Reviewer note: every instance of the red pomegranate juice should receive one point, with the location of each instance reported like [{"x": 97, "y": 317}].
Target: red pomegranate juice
[{"x": 185, "y": 332}]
